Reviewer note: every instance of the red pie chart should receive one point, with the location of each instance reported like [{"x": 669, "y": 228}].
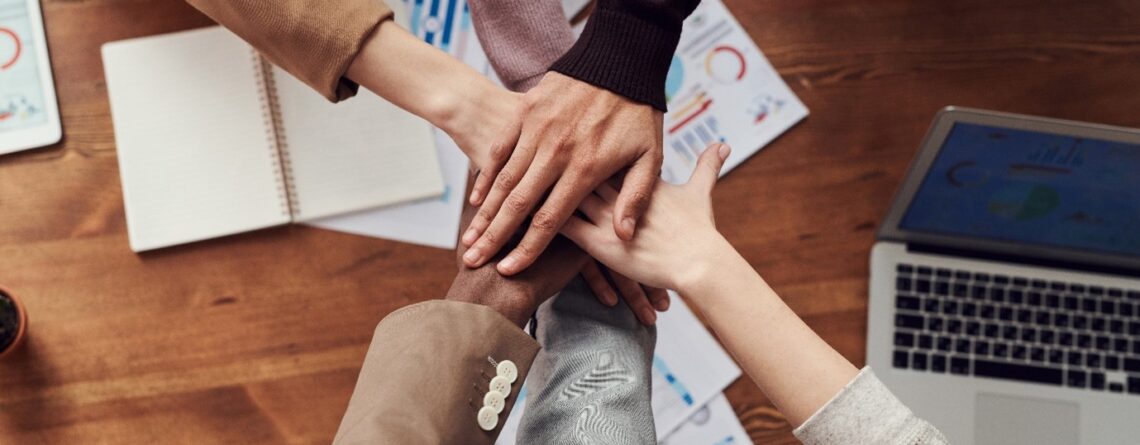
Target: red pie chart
[
  {"x": 6, "y": 61},
  {"x": 725, "y": 64}
]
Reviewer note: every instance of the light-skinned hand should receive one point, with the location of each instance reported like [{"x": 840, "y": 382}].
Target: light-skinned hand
[
  {"x": 569, "y": 137},
  {"x": 644, "y": 301},
  {"x": 677, "y": 228}
]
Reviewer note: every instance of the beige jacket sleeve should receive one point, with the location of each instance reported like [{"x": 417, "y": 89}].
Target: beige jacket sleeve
[
  {"x": 426, "y": 372},
  {"x": 314, "y": 40}
]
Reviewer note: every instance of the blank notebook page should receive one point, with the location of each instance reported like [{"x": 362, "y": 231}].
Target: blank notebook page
[
  {"x": 354, "y": 155},
  {"x": 195, "y": 153}
]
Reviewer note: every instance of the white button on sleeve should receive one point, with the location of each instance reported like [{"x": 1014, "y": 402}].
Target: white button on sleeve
[
  {"x": 508, "y": 369},
  {"x": 494, "y": 400},
  {"x": 488, "y": 418},
  {"x": 501, "y": 385}
]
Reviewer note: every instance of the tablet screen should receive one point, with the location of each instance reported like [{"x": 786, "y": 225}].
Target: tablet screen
[
  {"x": 21, "y": 89},
  {"x": 1031, "y": 187}
]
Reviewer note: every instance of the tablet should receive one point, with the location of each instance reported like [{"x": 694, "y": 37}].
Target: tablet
[{"x": 29, "y": 115}]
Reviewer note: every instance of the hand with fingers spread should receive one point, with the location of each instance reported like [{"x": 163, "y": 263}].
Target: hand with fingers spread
[
  {"x": 570, "y": 137},
  {"x": 657, "y": 256}
]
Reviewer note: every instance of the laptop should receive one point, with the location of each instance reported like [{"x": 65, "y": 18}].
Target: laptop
[{"x": 1005, "y": 282}]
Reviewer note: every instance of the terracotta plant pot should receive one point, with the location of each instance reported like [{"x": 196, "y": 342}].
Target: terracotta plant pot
[{"x": 13, "y": 323}]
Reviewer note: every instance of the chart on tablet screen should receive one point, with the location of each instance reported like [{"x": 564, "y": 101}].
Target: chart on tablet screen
[{"x": 21, "y": 97}]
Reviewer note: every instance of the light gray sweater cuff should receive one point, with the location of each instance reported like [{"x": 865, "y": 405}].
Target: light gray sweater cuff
[{"x": 866, "y": 412}]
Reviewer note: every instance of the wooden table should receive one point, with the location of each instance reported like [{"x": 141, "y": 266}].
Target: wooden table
[{"x": 258, "y": 338}]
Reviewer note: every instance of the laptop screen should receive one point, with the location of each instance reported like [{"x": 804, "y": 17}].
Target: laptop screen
[{"x": 1024, "y": 186}]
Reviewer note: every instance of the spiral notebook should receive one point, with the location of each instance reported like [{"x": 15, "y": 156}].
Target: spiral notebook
[{"x": 213, "y": 140}]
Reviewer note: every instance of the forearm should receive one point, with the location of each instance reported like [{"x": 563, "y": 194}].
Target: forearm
[
  {"x": 798, "y": 371},
  {"x": 487, "y": 288},
  {"x": 425, "y": 81}
]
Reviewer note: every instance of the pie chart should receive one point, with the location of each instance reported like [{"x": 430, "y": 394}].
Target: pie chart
[
  {"x": 10, "y": 48},
  {"x": 725, "y": 64}
]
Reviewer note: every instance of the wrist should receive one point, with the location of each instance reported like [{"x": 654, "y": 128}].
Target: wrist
[
  {"x": 474, "y": 115},
  {"x": 457, "y": 106},
  {"x": 623, "y": 53},
  {"x": 715, "y": 259},
  {"x": 425, "y": 81},
  {"x": 479, "y": 288}
]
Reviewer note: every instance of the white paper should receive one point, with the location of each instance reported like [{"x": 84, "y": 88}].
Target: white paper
[
  {"x": 573, "y": 7},
  {"x": 721, "y": 88},
  {"x": 714, "y": 424},
  {"x": 433, "y": 222},
  {"x": 699, "y": 369}
]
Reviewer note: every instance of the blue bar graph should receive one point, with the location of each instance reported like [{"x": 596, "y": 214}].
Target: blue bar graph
[
  {"x": 417, "y": 11},
  {"x": 682, "y": 392},
  {"x": 445, "y": 42},
  {"x": 433, "y": 14}
]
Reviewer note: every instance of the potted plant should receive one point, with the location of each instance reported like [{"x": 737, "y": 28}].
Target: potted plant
[{"x": 13, "y": 322}]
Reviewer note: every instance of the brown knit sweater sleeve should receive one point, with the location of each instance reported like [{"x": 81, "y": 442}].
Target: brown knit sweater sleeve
[
  {"x": 627, "y": 46},
  {"x": 314, "y": 40}
]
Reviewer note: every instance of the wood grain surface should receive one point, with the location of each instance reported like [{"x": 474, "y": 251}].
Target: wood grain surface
[{"x": 257, "y": 338}]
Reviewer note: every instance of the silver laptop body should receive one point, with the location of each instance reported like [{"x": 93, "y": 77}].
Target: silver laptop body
[{"x": 1004, "y": 298}]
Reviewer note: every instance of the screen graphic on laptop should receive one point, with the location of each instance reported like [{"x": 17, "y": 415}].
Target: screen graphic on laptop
[{"x": 1024, "y": 186}]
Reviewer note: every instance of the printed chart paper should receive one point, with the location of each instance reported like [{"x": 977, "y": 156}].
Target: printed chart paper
[
  {"x": 721, "y": 88},
  {"x": 714, "y": 424}
]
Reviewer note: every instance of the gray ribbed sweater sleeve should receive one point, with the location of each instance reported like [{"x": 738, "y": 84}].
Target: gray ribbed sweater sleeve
[
  {"x": 866, "y": 412},
  {"x": 591, "y": 382}
]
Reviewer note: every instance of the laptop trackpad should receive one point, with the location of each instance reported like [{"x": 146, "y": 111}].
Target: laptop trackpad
[{"x": 1009, "y": 420}]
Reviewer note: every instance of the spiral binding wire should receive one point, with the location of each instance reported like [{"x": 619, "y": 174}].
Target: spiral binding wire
[{"x": 275, "y": 135}]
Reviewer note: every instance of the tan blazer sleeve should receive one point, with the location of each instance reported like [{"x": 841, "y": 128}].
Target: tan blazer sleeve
[
  {"x": 314, "y": 40},
  {"x": 426, "y": 373}
]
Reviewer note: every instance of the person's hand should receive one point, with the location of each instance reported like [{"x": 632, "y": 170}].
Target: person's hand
[
  {"x": 569, "y": 137},
  {"x": 676, "y": 235},
  {"x": 476, "y": 125},
  {"x": 517, "y": 297},
  {"x": 644, "y": 301}
]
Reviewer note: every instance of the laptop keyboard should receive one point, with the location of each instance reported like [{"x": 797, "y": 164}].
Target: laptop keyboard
[{"x": 996, "y": 326}]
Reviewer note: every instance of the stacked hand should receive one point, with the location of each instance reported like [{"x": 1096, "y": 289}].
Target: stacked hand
[
  {"x": 569, "y": 137},
  {"x": 517, "y": 297},
  {"x": 565, "y": 136},
  {"x": 656, "y": 256}
]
